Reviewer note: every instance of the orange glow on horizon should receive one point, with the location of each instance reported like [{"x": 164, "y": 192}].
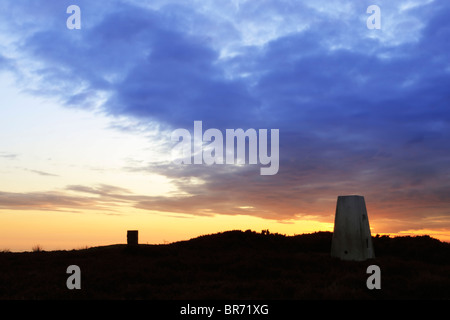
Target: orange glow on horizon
[{"x": 22, "y": 230}]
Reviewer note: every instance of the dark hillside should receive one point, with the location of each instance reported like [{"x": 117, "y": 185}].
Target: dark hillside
[{"x": 232, "y": 265}]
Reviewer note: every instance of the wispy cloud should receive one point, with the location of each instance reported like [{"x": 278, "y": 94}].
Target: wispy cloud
[
  {"x": 9, "y": 156},
  {"x": 102, "y": 198},
  {"x": 41, "y": 173}
]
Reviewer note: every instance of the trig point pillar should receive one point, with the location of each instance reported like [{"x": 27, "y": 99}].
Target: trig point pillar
[
  {"x": 351, "y": 236},
  {"x": 132, "y": 237}
]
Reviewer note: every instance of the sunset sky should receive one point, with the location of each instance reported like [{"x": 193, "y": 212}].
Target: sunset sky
[{"x": 86, "y": 117}]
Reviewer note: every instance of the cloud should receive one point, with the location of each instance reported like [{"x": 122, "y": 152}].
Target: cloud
[
  {"x": 100, "y": 190},
  {"x": 176, "y": 77},
  {"x": 47, "y": 201},
  {"x": 284, "y": 199},
  {"x": 103, "y": 198},
  {"x": 10, "y": 156},
  {"x": 42, "y": 173}
]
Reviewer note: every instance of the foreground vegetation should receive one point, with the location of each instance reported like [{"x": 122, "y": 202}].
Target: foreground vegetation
[{"x": 232, "y": 265}]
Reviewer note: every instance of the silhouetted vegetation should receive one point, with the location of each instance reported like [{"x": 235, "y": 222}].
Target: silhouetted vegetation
[{"x": 232, "y": 265}]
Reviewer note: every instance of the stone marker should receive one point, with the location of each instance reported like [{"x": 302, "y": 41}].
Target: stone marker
[
  {"x": 132, "y": 237},
  {"x": 351, "y": 236}
]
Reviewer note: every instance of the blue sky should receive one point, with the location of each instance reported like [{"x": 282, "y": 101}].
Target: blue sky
[{"x": 359, "y": 111}]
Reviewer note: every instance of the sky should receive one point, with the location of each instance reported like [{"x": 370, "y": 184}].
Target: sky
[{"x": 86, "y": 117}]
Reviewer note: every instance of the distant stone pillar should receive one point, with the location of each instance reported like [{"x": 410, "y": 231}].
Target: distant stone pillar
[
  {"x": 132, "y": 237},
  {"x": 352, "y": 239}
]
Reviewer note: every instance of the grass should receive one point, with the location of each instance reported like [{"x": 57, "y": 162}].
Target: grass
[{"x": 37, "y": 248}]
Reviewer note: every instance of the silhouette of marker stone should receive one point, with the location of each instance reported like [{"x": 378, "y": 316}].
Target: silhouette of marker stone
[
  {"x": 132, "y": 237},
  {"x": 352, "y": 239}
]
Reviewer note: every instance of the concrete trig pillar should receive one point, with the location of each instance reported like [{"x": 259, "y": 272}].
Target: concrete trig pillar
[{"x": 352, "y": 239}]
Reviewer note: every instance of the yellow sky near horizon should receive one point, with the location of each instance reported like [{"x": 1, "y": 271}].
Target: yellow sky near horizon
[{"x": 22, "y": 230}]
